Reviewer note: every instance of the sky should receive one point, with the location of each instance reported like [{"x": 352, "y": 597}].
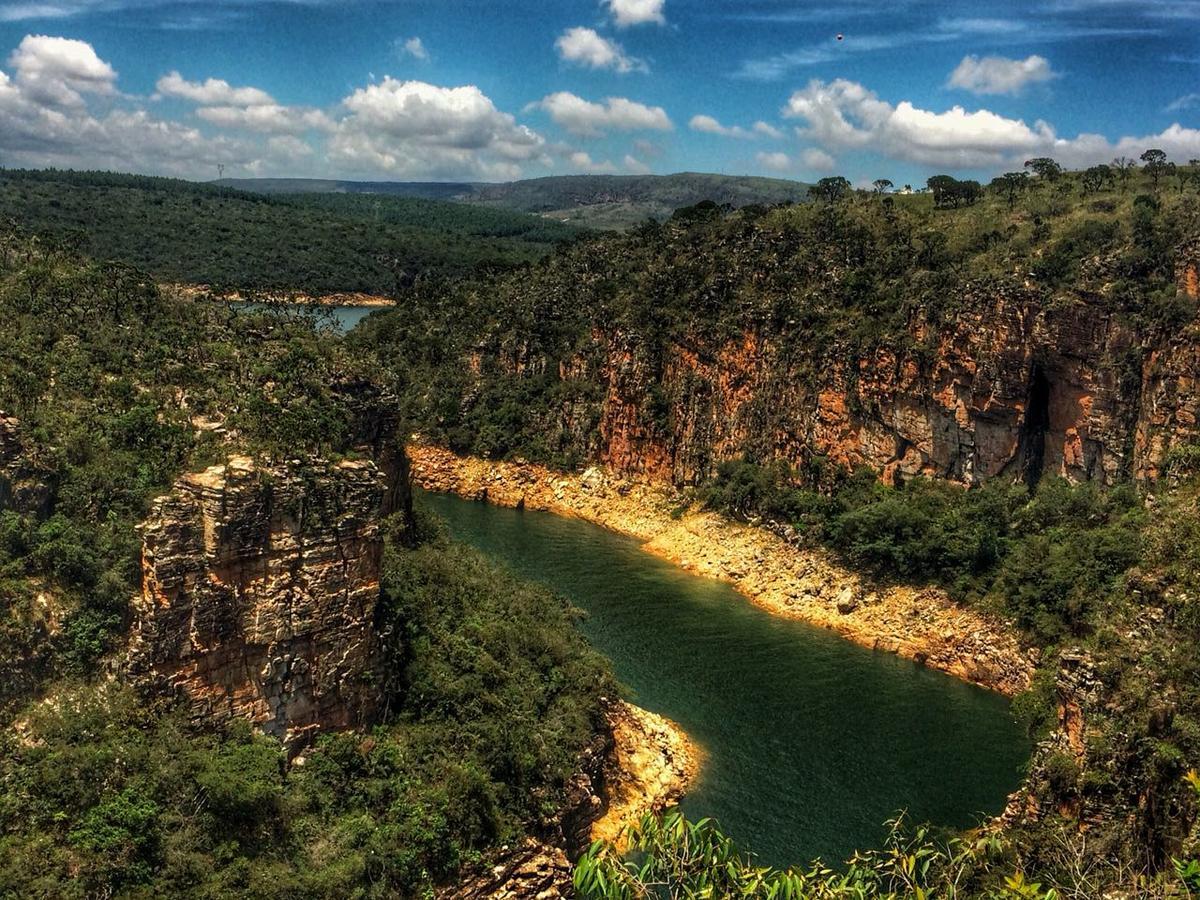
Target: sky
[{"x": 476, "y": 90}]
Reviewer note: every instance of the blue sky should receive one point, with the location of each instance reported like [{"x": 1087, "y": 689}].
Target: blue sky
[{"x": 459, "y": 90}]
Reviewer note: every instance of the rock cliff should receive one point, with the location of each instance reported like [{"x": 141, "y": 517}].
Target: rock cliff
[
  {"x": 1006, "y": 378},
  {"x": 259, "y": 591}
]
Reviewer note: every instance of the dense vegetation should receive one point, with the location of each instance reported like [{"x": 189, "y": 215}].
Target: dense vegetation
[
  {"x": 595, "y": 201},
  {"x": 1050, "y": 559},
  {"x": 104, "y": 792},
  {"x": 670, "y": 857},
  {"x": 181, "y": 231},
  {"x": 493, "y": 697},
  {"x": 830, "y": 283}
]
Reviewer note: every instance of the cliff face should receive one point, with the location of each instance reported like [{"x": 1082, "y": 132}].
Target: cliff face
[
  {"x": 1015, "y": 384},
  {"x": 259, "y": 593}
]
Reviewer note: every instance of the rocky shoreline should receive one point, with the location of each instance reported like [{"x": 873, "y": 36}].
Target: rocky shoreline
[
  {"x": 921, "y": 624},
  {"x": 350, "y": 298}
]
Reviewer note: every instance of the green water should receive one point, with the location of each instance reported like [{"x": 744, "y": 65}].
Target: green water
[{"x": 812, "y": 742}]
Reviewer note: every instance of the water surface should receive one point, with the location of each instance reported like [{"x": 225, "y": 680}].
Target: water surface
[{"x": 812, "y": 742}]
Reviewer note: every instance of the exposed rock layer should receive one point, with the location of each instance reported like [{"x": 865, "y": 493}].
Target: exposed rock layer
[
  {"x": 1011, "y": 382},
  {"x": 787, "y": 580},
  {"x": 259, "y": 593}
]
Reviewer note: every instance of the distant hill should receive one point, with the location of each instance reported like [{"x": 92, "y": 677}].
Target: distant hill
[
  {"x": 598, "y": 201},
  {"x": 313, "y": 242}
]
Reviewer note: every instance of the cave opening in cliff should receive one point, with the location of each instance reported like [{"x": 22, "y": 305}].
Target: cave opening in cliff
[{"x": 1035, "y": 426}]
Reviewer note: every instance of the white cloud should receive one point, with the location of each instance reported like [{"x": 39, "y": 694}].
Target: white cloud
[
  {"x": 709, "y": 125},
  {"x": 390, "y": 128},
  {"x": 843, "y": 114},
  {"x": 587, "y": 119},
  {"x": 767, "y": 130},
  {"x": 583, "y": 162},
  {"x": 1000, "y": 75},
  {"x": 1187, "y": 101},
  {"x": 635, "y": 166},
  {"x": 212, "y": 92},
  {"x": 269, "y": 118},
  {"x": 419, "y": 129},
  {"x": 58, "y": 71},
  {"x": 776, "y": 162},
  {"x": 636, "y": 12},
  {"x": 413, "y": 47},
  {"x": 817, "y": 160},
  {"x": 585, "y": 47}
]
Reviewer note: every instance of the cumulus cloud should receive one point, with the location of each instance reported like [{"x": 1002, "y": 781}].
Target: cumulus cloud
[
  {"x": 413, "y": 47},
  {"x": 419, "y": 129},
  {"x": 709, "y": 125},
  {"x": 586, "y": 47},
  {"x": 585, "y": 118},
  {"x": 636, "y": 12},
  {"x": 776, "y": 162},
  {"x": 767, "y": 130},
  {"x": 635, "y": 166},
  {"x": 211, "y": 92},
  {"x": 843, "y": 114},
  {"x": 58, "y": 72},
  {"x": 583, "y": 162},
  {"x": 817, "y": 160},
  {"x": 59, "y": 106},
  {"x": 269, "y": 118},
  {"x": 1000, "y": 75}
]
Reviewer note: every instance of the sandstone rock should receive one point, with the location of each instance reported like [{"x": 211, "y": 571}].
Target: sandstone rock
[
  {"x": 846, "y": 601},
  {"x": 259, "y": 588}
]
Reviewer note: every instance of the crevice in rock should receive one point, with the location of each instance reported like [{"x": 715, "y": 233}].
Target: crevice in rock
[{"x": 1034, "y": 427}]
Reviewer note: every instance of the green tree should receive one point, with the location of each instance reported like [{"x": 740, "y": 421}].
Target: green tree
[
  {"x": 1155, "y": 165},
  {"x": 1010, "y": 185},
  {"x": 832, "y": 188}
]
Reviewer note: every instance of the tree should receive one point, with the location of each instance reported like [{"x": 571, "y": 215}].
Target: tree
[
  {"x": 833, "y": 188},
  {"x": 1044, "y": 167},
  {"x": 1009, "y": 185},
  {"x": 1155, "y": 165},
  {"x": 1095, "y": 178},
  {"x": 881, "y": 185},
  {"x": 1124, "y": 167}
]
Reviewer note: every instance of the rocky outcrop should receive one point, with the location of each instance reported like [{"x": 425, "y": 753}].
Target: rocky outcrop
[
  {"x": 772, "y": 571},
  {"x": 25, "y": 486},
  {"x": 642, "y": 763},
  {"x": 650, "y": 766},
  {"x": 1014, "y": 386},
  {"x": 259, "y": 589}
]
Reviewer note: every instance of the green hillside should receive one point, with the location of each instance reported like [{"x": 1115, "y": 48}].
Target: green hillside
[
  {"x": 597, "y": 201},
  {"x": 319, "y": 243}
]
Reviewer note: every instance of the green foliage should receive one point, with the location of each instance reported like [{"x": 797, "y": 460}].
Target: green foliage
[
  {"x": 316, "y": 243},
  {"x": 492, "y": 696},
  {"x": 669, "y": 857},
  {"x": 1050, "y": 560},
  {"x": 107, "y": 374}
]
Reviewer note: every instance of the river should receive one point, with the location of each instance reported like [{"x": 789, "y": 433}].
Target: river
[{"x": 811, "y": 742}]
